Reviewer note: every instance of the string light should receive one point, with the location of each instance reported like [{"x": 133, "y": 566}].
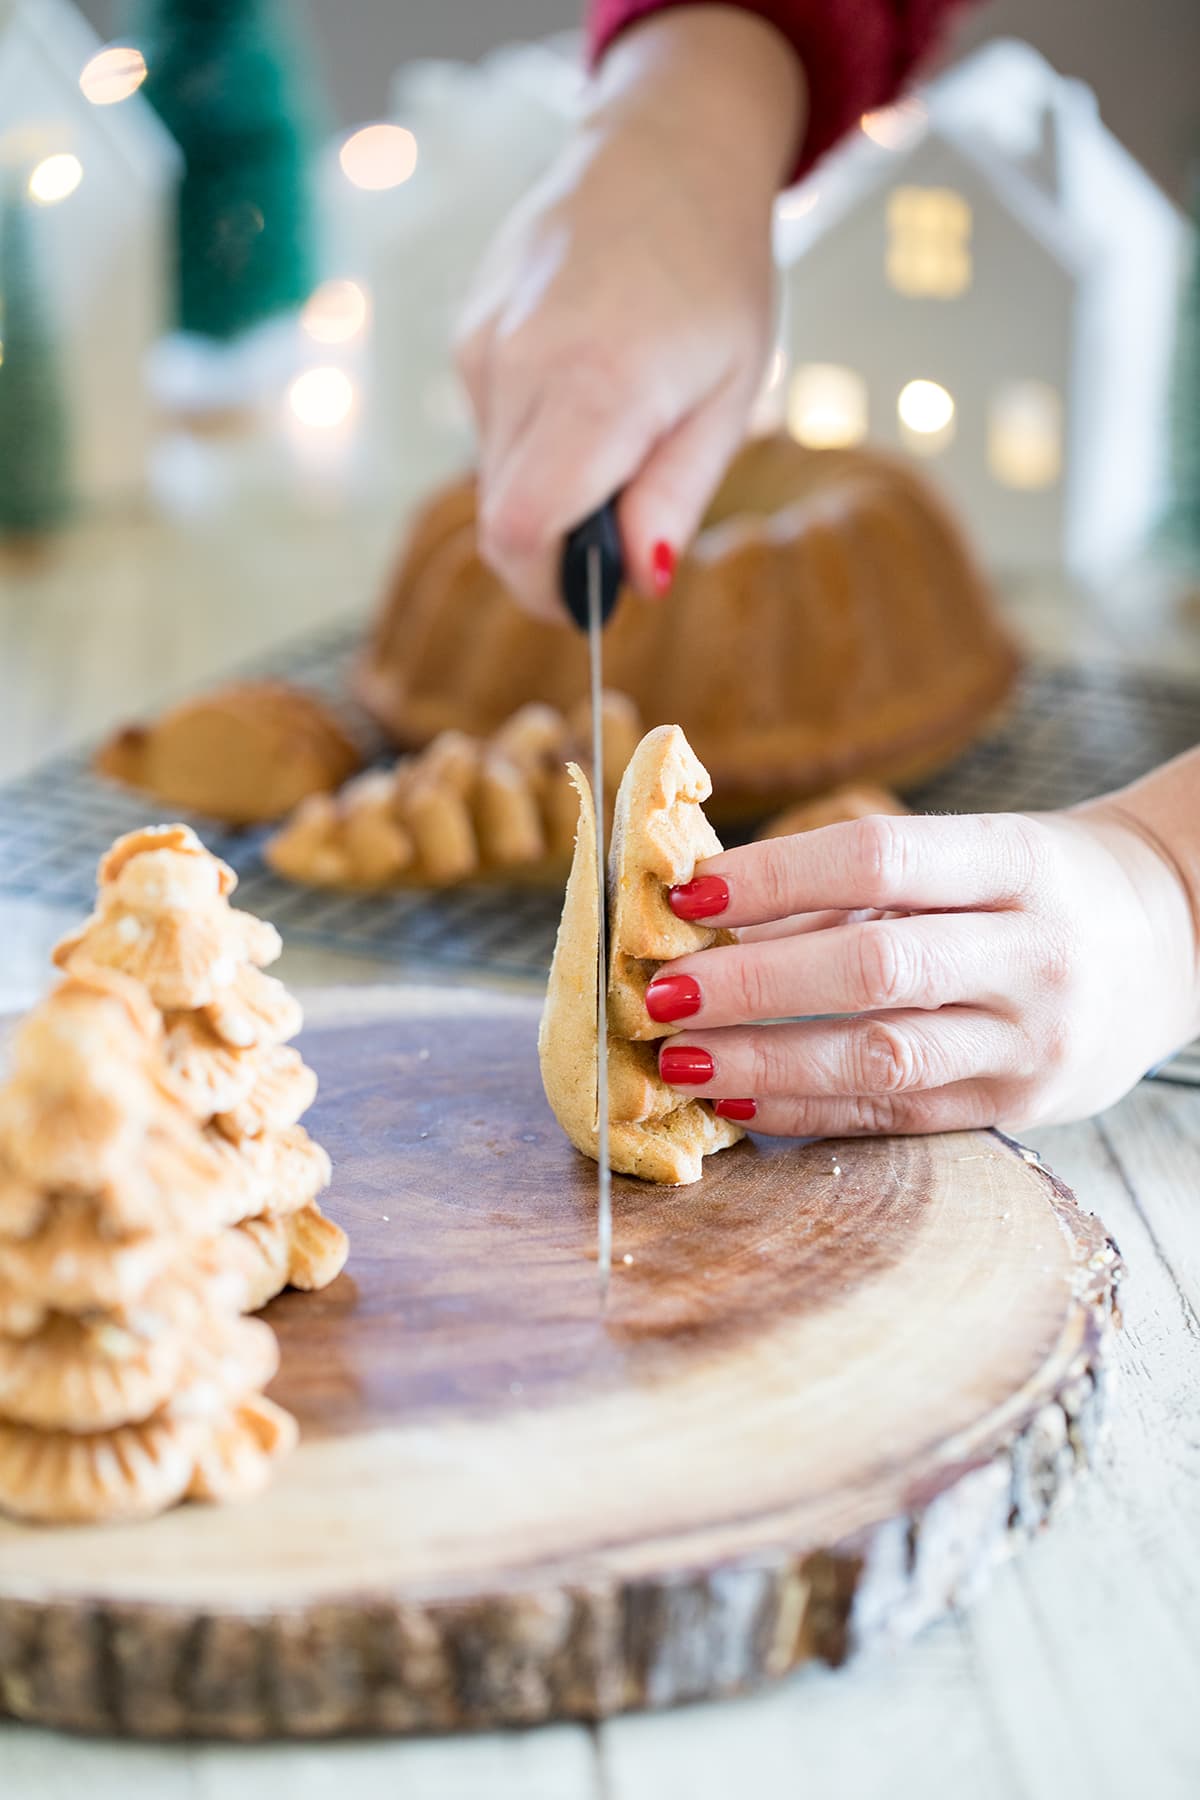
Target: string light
[
  {"x": 335, "y": 312},
  {"x": 378, "y": 156},
  {"x": 112, "y": 75},
  {"x": 322, "y": 398},
  {"x": 827, "y": 406},
  {"x": 798, "y": 203},
  {"x": 926, "y": 413},
  {"x": 55, "y": 178},
  {"x": 891, "y": 127}
]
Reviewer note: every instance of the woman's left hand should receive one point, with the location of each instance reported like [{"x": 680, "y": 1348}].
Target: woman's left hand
[{"x": 979, "y": 970}]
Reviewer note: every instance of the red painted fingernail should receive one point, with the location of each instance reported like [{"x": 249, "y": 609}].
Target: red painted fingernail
[
  {"x": 671, "y": 997},
  {"x": 681, "y": 1066},
  {"x": 741, "y": 1111},
  {"x": 662, "y": 566},
  {"x": 702, "y": 898}
]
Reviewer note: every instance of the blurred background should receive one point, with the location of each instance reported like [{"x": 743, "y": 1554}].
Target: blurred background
[
  {"x": 237, "y": 234},
  {"x": 1140, "y": 56}
]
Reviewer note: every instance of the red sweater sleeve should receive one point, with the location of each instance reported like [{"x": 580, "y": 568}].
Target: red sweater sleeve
[{"x": 857, "y": 54}]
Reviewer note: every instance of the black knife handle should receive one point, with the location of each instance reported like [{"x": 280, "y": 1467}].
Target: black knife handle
[{"x": 599, "y": 531}]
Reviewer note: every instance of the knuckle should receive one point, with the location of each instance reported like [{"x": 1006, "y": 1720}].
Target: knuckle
[
  {"x": 776, "y": 881},
  {"x": 880, "y": 850},
  {"x": 884, "y": 970},
  {"x": 754, "y": 995},
  {"x": 889, "y": 1060},
  {"x": 1030, "y": 852},
  {"x": 876, "y": 1115},
  {"x": 896, "y": 1115},
  {"x": 514, "y": 531},
  {"x": 1056, "y": 1043},
  {"x": 770, "y": 1070},
  {"x": 1056, "y": 959}
]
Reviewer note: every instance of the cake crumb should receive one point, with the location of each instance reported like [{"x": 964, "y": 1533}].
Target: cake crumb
[{"x": 627, "y": 1258}]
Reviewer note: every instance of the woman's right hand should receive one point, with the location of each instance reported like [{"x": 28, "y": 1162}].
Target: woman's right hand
[{"x": 619, "y": 324}]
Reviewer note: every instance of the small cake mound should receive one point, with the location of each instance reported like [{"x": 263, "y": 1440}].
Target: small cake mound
[
  {"x": 128, "y": 1381},
  {"x": 659, "y": 834},
  {"x": 246, "y": 754},
  {"x": 841, "y": 807},
  {"x": 828, "y": 623},
  {"x": 464, "y": 809},
  {"x": 163, "y": 916}
]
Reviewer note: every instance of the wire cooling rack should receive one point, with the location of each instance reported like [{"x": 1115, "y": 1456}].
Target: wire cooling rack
[{"x": 1073, "y": 731}]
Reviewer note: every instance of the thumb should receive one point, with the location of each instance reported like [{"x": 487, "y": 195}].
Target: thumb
[{"x": 665, "y": 501}]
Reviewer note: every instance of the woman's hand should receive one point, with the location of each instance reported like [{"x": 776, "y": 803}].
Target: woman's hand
[
  {"x": 619, "y": 325},
  {"x": 1000, "y": 969}
]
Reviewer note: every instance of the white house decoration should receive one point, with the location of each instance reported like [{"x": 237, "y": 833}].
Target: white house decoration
[
  {"x": 983, "y": 277},
  {"x": 100, "y": 169},
  {"x": 409, "y": 205}
]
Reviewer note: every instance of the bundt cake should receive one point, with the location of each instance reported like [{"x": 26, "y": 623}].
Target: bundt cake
[{"x": 828, "y": 623}]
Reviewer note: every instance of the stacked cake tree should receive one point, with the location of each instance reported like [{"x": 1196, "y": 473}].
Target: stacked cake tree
[
  {"x": 128, "y": 1380},
  {"x": 163, "y": 917}
]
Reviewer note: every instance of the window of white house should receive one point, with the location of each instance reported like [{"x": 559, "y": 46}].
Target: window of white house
[
  {"x": 827, "y": 406},
  {"x": 926, "y": 411},
  {"x": 1024, "y": 435},
  {"x": 929, "y": 242}
]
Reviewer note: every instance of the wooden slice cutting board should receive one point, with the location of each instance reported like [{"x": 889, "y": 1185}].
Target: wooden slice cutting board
[{"x": 832, "y": 1383}]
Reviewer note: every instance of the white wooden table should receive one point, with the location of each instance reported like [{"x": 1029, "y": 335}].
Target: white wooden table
[{"x": 1076, "y": 1677}]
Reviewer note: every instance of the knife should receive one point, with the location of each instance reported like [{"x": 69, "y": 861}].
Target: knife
[{"x": 591, "y": 576}]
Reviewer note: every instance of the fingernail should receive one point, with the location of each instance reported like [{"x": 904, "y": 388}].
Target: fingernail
[
  {"x": 681, "y": 1066},
  {"x": 702, "y": 898},
  {"x": 662, "y": 566},
  {"x": 740, "y": 1111},
  {"x": 671, "y": 997}
]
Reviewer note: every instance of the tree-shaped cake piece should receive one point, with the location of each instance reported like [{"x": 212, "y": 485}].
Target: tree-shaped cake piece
[
  {"x": 659, "y": 834},
  {"x": 163, "y": 918},
  {"x": 128, "y": 1379}
]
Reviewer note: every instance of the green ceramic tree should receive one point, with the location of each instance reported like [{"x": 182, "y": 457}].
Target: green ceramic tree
[
  {"x": 1183, "y": 519},
  {"x": 227, "y": 78},
  {"x": 35, "y": 484}
]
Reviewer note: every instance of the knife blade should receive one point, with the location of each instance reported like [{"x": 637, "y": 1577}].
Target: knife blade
[{"x": 591, "y": 581}]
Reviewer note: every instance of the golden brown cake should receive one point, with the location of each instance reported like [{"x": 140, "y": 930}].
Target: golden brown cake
[
  {"x": 828, "y": 623},
  {"x": 659, "y": 834},
  {"x": 246, "y": 753},
  {"x": 463, "y": 809}
]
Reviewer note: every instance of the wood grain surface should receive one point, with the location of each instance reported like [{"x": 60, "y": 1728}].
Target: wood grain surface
[{"x": 831, "y": 1385}]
